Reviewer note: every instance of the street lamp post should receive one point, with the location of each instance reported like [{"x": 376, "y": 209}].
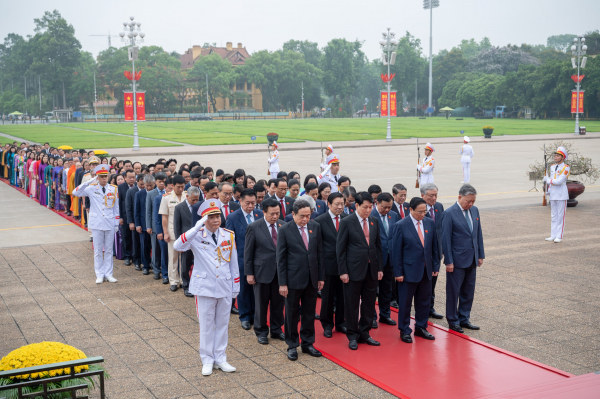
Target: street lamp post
[
  {"x": 132, "y": 30},
  {"x": 430, "y": 5},
  {"x": 388, "y": 46},
  {"x": 578, "y": 49}
]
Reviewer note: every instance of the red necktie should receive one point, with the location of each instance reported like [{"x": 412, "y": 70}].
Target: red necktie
[
  {"x": 402, "y": 211},
  {"x": 337, "y": 223},
  {"x": 282, "y": 208},
  {"x": 226, "y": 211},
  {"x": 366, "y": 230}
]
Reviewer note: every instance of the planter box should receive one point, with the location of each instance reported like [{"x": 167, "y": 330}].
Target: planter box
[{"x": 488, "y": 133}]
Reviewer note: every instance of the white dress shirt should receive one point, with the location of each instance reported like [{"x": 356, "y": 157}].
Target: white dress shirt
[
  {"x": 269, "y": 226},
  {"x": 305, "y": 232},
  {"x": 189, "y": 206},
  {"x": 246, "y": 216},
  {"x": 418, "y": 225},
  {"x": 468, "y": 213}
]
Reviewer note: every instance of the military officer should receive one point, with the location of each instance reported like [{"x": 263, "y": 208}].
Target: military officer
[
  {"x": 103, "y": 220},
  {"x": 274, "y": 161},
  {"x": 93, "y": 162},
  {"x": 215, "y": 280},
  {"x": 556, "y": 185},
  {"x": 331, "y": 173},
  {"x": 328, "y": 154},
  {"x": 466, "y": 152},
  {"x": 426, "y": 167}
]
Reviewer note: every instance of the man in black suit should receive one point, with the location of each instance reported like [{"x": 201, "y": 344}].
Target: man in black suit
[
  {"x": 286, "y": 203},
  {"x": 301, "y": 274},
  {"x": 349, "y": 204},
  {"x": 361, "y": 267},
  {"x": 400, "y": 206},
  {"x": 435, "y": 211},
  {"x": 182, "y": 222},
  {"x": 229, "y": 206},
  {"x": 126, "y": 237},
  {"x": 260, "y": 268},
  {"x": 332, "y": 294},
  {"x": 136, "y": 253}
]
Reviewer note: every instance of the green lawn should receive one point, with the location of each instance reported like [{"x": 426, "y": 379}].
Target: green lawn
[{"x": 319, "y": 130}]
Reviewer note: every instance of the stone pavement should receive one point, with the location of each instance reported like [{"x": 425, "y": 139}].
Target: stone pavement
[{"x": 537, "y": 299}]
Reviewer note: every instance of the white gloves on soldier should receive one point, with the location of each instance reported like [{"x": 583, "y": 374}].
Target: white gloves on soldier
[
  {"x": 201, "y": 223},
  {"x": 116, "y": 228}
]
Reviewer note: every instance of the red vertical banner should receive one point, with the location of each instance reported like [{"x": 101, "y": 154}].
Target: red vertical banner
[
  {"x": 384, "y": 103},
  {"x": 128, "y": 106},
  {"x": 574, "y": 101},
  {"x": 140, "y": 106},
  {"x": 393, "y": 103}
]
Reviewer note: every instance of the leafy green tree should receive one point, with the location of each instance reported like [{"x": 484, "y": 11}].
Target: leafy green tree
[
  {"x": 481, "y": 92},
  {"x": 82, "y": 83},
  {"x": 471, "y": 48},
  {"x": 311, "y": 51},
  {"x": 341, "y": 64},
  {"x": 561, "y": 42},
  {"x": 592, "y": 40},
  {"x": 410, "y": 66},
  {"x": 220, "y": 77},
  {"x": 369, "y": 86},
  {"x": 445, "y": 67}
]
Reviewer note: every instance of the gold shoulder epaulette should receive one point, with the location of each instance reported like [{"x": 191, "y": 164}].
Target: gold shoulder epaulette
[
  {"x": 94, "y": 184},
  {"x": 232, "y": 232},
  {"x": 114, "y": 185}
]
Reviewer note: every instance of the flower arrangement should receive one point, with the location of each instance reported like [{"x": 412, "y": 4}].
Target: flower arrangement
[
  {"x": 272, "y": 137},
  {"x": 488, "y": 127},
  {"x": 101, "y": 154},
  {"x": 40, "y": 354}
]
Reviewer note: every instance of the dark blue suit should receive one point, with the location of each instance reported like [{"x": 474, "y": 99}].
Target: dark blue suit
[
  {"x": 164, "y": 247},
  {"x": 288, "y": 218},
  {"x": 438, "y": 214},
  {"x": 463, "y": 248},
  {"x": 139, "y": 216},
  {"x": 385, "y": 284},
  {"x": 321, "y": 207},
  {"x": 416, "y": 263},
  {"x": 237, "y": 223}
]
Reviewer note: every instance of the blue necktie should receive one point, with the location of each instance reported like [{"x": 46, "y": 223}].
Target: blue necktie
[
  {"x": 468, "y": 221},
  {"x": 162, "y": 192},
  {"x": 249, "y": 218}
]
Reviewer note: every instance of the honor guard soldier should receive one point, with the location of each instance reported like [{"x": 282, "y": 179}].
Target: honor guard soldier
[
  {"x": 274, "y": 161},
  {"x": 215, "y": 281},
  {"x": 556, "y": 184},
  {"x": 427, "y": 165},
  {"x": 93, "y": 162},
  {"x": 331, "y": 173},
  {"x": 328, "y": 153},
  {"x": 103, "y": 220},
  {"x": 466, "y": 152}
]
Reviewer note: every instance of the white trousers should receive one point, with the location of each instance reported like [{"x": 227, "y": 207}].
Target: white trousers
[
  {"x": 558, "y": 210},
  {"x": 274, "y": 175},
  {"x": 213, "y": 316},
  {"x": 174, "y": 277},
  {"x": 103, "y": 252},
  {"x": 466, "y": 171},
  {"x": 426, "y": 178}
]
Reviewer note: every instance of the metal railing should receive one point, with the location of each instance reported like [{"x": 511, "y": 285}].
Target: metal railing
[{"x": 45, "y": 381}]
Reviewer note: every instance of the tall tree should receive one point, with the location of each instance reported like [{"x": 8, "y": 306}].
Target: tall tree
[
  {"x": 561, "y": 42},
  {"x": 311, "y": 51},
  {"x": 471, "y": 48},
  {"x": 341, "y": 64},
  {"x": 220, "y": 77},
  {"x": 445, "y": 67}
]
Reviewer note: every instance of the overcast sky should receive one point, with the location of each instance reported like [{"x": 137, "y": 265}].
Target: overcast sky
[{"x": 266, "y": 24}]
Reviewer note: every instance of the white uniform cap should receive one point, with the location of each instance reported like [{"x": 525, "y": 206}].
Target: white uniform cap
[
  {"x": 429, "y": 147},
  {"x": 210, "y": 207},
  {"x": 562, "y": 151},
  {"x": 466, "y": 139},
  {"x": 330, "y": 148}
]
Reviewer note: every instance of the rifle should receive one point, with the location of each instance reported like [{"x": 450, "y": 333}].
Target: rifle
[
  {"x": 545, "y": 174},
  {"x": 269, "y": 167},
  {"x": 418, "y": 163},
  {"x": 322, "y": 160}
]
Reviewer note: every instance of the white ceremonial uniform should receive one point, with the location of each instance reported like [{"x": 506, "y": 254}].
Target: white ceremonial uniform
[
  {"x": 215, "y": 280},
  {"x": 274, "y": 164},
  {"x": 559, "y": 194},
  {"x": 86, "y": 177},
  {"x": 467, "y": 153},
  {"x": 426, "y": 169},
  {"x": 167, "y": 207},
  {"x": 331, "y": 179},
  {"x": 103, "y": 220}
]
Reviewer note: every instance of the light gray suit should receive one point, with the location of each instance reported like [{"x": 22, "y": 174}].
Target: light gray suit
[
  {"x": 182, "y": 222},
  {"x": 150, "y": 222}
]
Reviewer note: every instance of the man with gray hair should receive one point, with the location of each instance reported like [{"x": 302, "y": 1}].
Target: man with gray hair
[
  {"x": 462, "y": 241},
  {"x": 182, "y": 222},
  {"x": 139, "y": 216},
  {"x": 435, "y": 211}
]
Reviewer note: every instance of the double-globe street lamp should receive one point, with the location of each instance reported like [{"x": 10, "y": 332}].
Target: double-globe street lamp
[
  {"x": 430, "y": 5},
  {"x": 132, "y": 30},
  {"x": 578, "y": 49},
  {"x": 388, "y": 46}
]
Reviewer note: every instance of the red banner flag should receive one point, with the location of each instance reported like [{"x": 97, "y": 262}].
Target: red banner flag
[
  {"x": 141, "y": 106},
  {"x": 393, "y": 103},
  {"x": 128, "y": 106},
  {"x": 384, "y": 103},
  {"x": 574, "y": 101}
]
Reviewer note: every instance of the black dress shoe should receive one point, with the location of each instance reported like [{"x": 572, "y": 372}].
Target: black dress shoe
[
  {"x": 368, "y": 341},
  {"x": 280, "y": 336},
  {"x": 187, "y": 293},
  {"x": 138, "y": 267},
  {"x": 263, "y": 340},
  {"x": 435, "y": 315},
  {"x": 91, "y": 239},
  {"x": 353, "y": 345},
  {"x": 375, "y": 325},
  {"x": 292, "y": 354},
  {"x": 394, "y": 304},
  {"x": 423, "y": 333},
  {"x": 145, "y": 272},
  {"x": 174, "y": 288},
  {"x": 157, "y": 276},
  {"x": 469, "y": 326},
  {"x": 317, "y": 317},
  {"x": 165, "y": 280},
  {"x": 406, "y": 338},
  {"x": 311, "y": 351},
  {"x": 235, "y": 311},
  {"x": 387, "y": 320},
  {"x": 456, "y": 327},
  {"x": 127, "y": 262},
  {"x": 341, "y": 329},
  {"x": 246, "y": 325},
  {"x": 327, "y": 333}
]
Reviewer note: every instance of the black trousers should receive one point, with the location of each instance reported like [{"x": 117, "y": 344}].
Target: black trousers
[
  {"x": 433, "y": 283},
  {"x": 136, "y": 248},
  {"x": 126, "y": 241},
  {"x": 332, "y": 295},
  {"x": 293, "y": 314},
  {"x": 385, "y": 291},
  {"x": 421, "y": 292},
  {"x": 187, "y": 260},
  {"x": 145, "y": 249},
  {"x": 266, "y": 294},
  {"x": 360, "y": 295}
]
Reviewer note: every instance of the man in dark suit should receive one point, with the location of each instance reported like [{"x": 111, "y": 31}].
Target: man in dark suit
[
  {"x": 159, "y": 190},
  {"x": 301, "y": 275},
  {"x": 435, "y": 211},
  {"x": 286, "y": 203},
  {"x": 135, "y": 236},
  {"x": 349, "y": 203},
  {"x": 182, "y": 222},
  {"x": 361, "y": 267},
  {"x": 139, "y": 217},
  {"x": 125, "y": 232},
  {"x": 415, "y": 261},
  {"x": 237, "y": 222},
  {"x": 260, "y": 267},
  {"x": 313, "y": 190},
  {"x": 229, "y": 206},
  {"x": 164, "y": 246},
  {"x": 400, "y": 205},
  {"x": 332, "y": 294},
  {"x": 463, "y": 252},
  {"x": 387, "y": 219}
]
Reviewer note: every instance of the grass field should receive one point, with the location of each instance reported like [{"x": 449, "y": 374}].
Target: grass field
[{"x": 239, "y": 132}]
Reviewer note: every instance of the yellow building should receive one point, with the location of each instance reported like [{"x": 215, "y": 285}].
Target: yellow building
[{"x": 250, "y": 97}]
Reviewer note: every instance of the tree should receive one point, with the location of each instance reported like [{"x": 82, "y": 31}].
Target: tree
[
  {"x": 471, "y": 48},
  {"x": 82, "y": 83},
  {"x": 311, "y": 51},
  {"x": 592, "y": 40},
  {"x": 410, "y": 66},
  {"x": 341, "y": 64},
  {"x": 561, "y": 42},
  {"x": 449, "y": 94},
  {"x": 220, "y": 77},
  {"x": 369, "y": 85},
  {"x": 500, "y": 60},
  {"x": 445, "y": 67},
  {"x": 481, "y": 92}
]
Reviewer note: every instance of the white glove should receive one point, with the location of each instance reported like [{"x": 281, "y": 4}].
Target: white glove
[
  {"x": 546, "y": 179},
  {"x": 116, "y": 228},
  {"x": 201, "y": 223},
  {"x": 418, "y": 167}
]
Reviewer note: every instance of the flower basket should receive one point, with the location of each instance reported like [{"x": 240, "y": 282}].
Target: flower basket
[
  {"x": 487, "y": 131},
  {"x": 272, "y": 137}
]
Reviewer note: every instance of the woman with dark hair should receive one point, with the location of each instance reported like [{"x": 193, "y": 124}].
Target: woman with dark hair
[
  {"x": 228, "y": 178},
  {"x": 120, "y": 165},
  {"x": 10, "y": 162},
  {"x": 293, "y": 175},
  {"x": 172, "y": 164},
  {"x": 208, "y": 171},
  {"x": 42, "y": 184},
  {"x": 184, "y": 166},
  {"x": 56, "y": 174},
  {"x": 218, "y": 176},
  {"x": 262, "y": 182},
  {"x": 48, "y": 182},
  {"x": 324, "y": 191},
  {"x": 193, "y": 164},
  {"x": 104, "y": 161},
  {"x": 282, "y": 175},
  {"x": 114, "y": 163},
  {"x": 309, "y": 179},
  {"x": 250, "y": 182},
  {"x": 239, "y": 176}
]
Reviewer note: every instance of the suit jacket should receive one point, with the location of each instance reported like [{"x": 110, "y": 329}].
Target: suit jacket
[
  {"x": 233, "y": 206},
  {"x": 195, "y": 216},
  {"x": 150, "y": 222},
  {"x": 354, "y": 256},
  {"x": 409, "y": 255},
  {"x": 386, "y": 238},
  {"x": 321, "y": 207},
  {"x": 139, "y": 209},
  {"x": 122, "y": 190},
  {"x": 290, "y": 217},
  {"x": 129, "y": 203},
  {"x": 461, "y": 246},
  {"x": 329, "y": 235},
  {"x": 289, "y": 206},
  {"x": 296, "y": 264},
  {"x": 158, "y": 229},
  {"x": 439, "y": 215},
  {"x": 406, "y": 209},
  {"x": 351, "y": 210},
  {"x": 237, "y": 223},
  {"x": 182, "y": 219},
  {"x": 260, "y": 253}
]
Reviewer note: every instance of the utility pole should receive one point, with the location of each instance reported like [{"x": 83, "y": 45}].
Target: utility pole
[
  {"x": 416, "y": 98},
  {"x": 96, "y": 96},
  {"x": 430, "y": 4},
  {"x": 302, "y": 99},
  {"x": 40, "y": 93},
  {"x": 207, "y": 103}
]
